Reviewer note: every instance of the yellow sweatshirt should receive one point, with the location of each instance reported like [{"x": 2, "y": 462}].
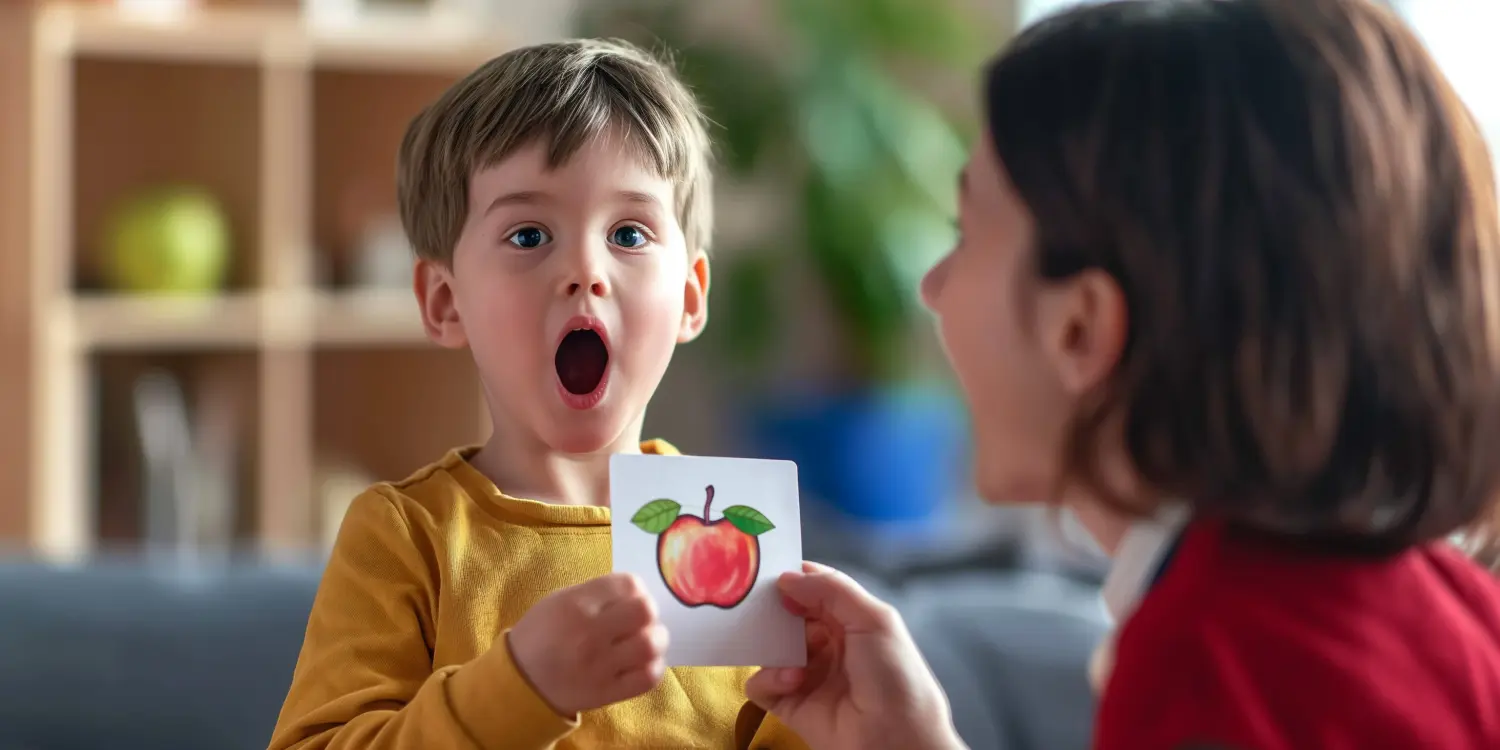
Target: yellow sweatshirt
[{"x": 425, "y": 576}]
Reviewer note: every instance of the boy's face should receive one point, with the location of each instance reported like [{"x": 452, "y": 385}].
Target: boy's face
[{"x": 572, "y": 287}]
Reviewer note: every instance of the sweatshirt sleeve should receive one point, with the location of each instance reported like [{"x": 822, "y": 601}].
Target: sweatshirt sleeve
[
  {"x": 754, "y": 729},
  {"x": 364, "y": 678}
]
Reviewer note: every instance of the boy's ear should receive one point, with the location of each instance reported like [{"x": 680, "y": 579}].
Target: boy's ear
[
  {"x": 433, "y": 283},
  {"x": 694, "y": 299}
]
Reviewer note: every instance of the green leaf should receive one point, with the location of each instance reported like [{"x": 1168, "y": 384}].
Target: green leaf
[
  {"x": 748, "y": 519},
  {"x": 654, "y": 517}
]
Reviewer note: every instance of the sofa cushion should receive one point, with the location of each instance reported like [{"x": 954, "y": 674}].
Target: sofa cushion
[
  {"x": 1011, "y": 650},
  {"x": 138, "y": 656},
  {"x": 128, "y": 655}
]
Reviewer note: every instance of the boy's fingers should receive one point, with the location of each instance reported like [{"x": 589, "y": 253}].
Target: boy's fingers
[
  {"x": 637, "y": 650},
  {"x": 634, "y": 682},
  {"x": 592, "y": 596},
  {"x": 614, "y": 586},
  {"x": 622, "y": 617},
  {"x": 602, "y": 593}
]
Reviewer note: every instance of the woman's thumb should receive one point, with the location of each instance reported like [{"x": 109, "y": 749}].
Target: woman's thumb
[
  {"x": 825, "y": 593},
  {"x": 769, "y": 686}
]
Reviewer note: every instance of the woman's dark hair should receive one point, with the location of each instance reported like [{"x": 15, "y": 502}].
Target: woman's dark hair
[{"x": 1303, "y": 219}]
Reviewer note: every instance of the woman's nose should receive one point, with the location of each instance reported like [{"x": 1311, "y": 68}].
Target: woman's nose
[{"x": 932, "y": 283}]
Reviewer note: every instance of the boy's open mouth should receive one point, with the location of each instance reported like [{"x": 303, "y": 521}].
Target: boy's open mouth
[{"x": 582, "y": 357}]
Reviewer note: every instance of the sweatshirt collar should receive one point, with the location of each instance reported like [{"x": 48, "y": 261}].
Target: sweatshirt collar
[{"x": 476, "y": 485}]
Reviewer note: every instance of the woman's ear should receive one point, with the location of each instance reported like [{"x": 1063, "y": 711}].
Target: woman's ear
[
  {"x": 694, "y": 300},
  {"x": 433, "y": 283},
  {"x": 1086, "y": 324}
]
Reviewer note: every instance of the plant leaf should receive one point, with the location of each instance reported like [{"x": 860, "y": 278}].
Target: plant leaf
[
  {"x": 654, "y": 517},
  {"x": 748, "y": 519},
  {"x": 748, "y": 303}
]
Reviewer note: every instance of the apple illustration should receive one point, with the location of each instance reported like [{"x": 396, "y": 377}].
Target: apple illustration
[{"x": 705, "y": 562}]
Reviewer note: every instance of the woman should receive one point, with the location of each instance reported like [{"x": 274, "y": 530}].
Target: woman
[{"x": 1243, "y": 254}]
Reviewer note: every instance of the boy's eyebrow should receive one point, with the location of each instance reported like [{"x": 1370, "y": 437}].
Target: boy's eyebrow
[
  {"x": 532, "y": 197},
  {"x": 636, "y": 196},
  {"x": 525, "y": 197}
]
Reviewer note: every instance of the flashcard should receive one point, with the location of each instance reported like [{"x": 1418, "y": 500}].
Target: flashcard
[{"x": 709, "y": 537}]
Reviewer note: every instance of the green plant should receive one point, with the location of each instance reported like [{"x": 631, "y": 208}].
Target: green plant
[{"x": 872, "y": 163}]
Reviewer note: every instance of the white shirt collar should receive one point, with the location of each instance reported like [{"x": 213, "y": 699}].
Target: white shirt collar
[{"x": 1136, "y": 560}]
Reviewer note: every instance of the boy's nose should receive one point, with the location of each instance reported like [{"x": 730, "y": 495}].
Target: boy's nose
[
  {"x": 597, "y": 288},
  {"x": 583, "y": 271},
  {"x": 584, "y": 277}
]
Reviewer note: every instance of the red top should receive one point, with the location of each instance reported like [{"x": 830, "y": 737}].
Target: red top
[{"x": 1243, "y": 644}]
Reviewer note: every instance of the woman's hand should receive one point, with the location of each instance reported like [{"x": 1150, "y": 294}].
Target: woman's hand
[{"x": 865, "y": 684}]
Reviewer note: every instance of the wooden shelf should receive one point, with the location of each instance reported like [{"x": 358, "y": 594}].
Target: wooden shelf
[
  {"x": 106, "y": 31},
  {"x": 402, "y": 41},
  {"x": 293, "y": 127},
  {"x": 230, "y": 321},
  {"x": 126, "y": 322},
  {"x": 373, "y": 318}
]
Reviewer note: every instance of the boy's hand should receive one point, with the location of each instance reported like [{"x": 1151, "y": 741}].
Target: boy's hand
[{"x": 591, "y": 645}]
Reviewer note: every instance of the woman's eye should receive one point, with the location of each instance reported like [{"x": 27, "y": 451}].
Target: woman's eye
[
  {"x": 528, "y": 238},
  {"x": 628, "y": 237}
]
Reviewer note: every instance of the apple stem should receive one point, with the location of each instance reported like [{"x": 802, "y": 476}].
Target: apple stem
[{"x": 709, "y": 502}]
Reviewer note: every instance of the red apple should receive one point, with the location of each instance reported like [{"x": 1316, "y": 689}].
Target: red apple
[{"x": 705, "y": 562}]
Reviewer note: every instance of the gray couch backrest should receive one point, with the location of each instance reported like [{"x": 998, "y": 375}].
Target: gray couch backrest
[{"x": 139, "y": 656}]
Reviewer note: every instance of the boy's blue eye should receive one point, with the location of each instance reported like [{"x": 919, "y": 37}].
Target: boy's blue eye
[
  {"x": 628, "y": 237},
  {"x": 528, "y": 238}
]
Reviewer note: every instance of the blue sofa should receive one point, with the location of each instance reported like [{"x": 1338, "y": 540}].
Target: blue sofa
[{"x": 133, "y": 655}]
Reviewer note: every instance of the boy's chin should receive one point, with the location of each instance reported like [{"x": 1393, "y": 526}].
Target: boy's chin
[{"x": 589, "y": 432}]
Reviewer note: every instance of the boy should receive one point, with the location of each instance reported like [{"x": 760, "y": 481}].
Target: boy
[{"x": 558, "y": 199}]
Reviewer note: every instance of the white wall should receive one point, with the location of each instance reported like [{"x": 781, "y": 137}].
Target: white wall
[{"x": 1461, "y": 36}]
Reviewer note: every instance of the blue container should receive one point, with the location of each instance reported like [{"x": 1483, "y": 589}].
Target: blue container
[{"x": 879, "y": 455}]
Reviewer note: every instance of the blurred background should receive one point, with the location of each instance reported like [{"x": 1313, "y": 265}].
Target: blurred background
[
  {"x": 210, "y": 292},
  {"x": 211, "y": 346}
]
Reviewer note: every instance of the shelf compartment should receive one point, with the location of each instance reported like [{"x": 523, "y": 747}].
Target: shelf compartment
[
  {"x": 139, "y": 126},
  {"x": 138, "y": 414},
  {"x": 382, "y": 413},
  {"x": 359, "y": 119}
]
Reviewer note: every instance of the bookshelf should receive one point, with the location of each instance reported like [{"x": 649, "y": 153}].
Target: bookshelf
[{"x": 293, "y": 127}]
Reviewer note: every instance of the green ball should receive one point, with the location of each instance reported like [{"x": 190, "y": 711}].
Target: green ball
[{"x": 167, "y": 241}]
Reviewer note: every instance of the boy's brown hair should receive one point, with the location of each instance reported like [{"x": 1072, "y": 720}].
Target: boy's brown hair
[
  {"x": 1303, "y": 218},
  {"x": 563, "y": 93}
]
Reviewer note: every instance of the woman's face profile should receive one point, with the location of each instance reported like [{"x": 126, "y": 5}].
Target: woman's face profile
[{"x": 993, "y": 317}]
